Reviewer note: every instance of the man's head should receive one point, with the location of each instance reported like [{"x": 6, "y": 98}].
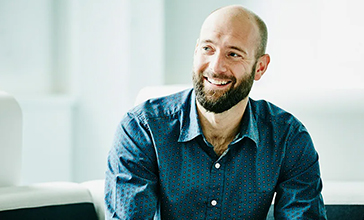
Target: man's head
[{"x": 229, "y": 56}]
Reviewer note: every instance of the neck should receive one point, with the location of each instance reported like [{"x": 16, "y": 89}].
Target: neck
[{"x": 221, "y": 129}]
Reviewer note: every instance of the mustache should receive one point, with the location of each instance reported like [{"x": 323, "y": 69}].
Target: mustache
[{"x": 210, "y": 74}]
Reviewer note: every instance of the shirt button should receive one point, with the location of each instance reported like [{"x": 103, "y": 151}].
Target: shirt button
[
  {"x": 217, "y": 165},
  {"x": 214, "y": 202}
]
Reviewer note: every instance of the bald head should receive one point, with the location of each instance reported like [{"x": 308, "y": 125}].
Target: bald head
[{"x": 244, "y": 19}]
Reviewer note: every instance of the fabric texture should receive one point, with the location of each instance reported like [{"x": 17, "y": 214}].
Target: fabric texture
[{"x": 162, "y": 167}]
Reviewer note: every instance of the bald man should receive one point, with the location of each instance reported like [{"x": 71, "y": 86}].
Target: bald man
[{"x": 211, "y": 152}]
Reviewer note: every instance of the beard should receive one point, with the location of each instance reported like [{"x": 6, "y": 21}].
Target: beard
[{"x": 221, "y": 101}]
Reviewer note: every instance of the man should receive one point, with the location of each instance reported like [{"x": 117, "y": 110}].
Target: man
[{"x": 211, "y": 152}]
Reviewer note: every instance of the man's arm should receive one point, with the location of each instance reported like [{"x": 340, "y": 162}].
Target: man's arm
[
  {"x": 299, "y": 187},
  {"x": 131, "y": 177}
]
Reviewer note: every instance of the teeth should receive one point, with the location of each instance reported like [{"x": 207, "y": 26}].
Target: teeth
[{"x": 217, "y": 82}]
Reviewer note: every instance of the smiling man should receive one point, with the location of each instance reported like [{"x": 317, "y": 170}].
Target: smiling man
[{"x": 211, "y": 152}]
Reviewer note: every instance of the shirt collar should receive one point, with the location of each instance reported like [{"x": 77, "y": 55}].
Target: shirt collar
[
  {"x": 190, "y": 125},
  {"x": 249, "y": 127}
]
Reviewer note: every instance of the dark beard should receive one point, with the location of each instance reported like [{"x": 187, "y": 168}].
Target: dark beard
[{"x": 227, "y": 100}]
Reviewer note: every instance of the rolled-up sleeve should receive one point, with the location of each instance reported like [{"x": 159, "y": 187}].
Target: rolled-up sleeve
[
  {"x": 131, "y": 176},
  {"x": 299, "y": 188}
]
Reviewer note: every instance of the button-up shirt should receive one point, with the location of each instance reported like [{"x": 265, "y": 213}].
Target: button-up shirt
[{"x": 162, "y": 167}]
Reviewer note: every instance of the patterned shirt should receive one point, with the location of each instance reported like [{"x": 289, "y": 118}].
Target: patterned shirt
[{"x": 162, "y": 167}]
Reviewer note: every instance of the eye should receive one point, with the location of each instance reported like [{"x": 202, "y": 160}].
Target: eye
[
  {"x": 206, "y": 48},
  {"x": 232, "y": 54}
]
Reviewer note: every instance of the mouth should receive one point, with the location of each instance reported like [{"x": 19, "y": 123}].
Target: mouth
[{"x": 218, "y": 82}]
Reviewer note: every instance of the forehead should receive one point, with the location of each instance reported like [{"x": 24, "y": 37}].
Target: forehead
[{"x": 227, "y": 27}]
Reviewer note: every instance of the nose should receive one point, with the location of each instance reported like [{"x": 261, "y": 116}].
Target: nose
[{"x": 218, "y": 63}]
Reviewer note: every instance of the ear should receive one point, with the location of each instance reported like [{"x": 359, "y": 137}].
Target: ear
[{"x": 261, "y": 66}]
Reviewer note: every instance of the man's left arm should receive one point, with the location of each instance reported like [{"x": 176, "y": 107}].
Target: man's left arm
[{"x": 299, "y": 187}]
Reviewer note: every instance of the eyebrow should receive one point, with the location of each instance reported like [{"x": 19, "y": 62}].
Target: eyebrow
[{"x": 231, "y": 47}]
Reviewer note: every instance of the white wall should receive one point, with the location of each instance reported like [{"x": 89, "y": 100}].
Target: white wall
[
  {"x": 25, "y": 46},
  {"x": 76, "y": 67},
  {"x": 316, "y": 44},
  {"x": 92, "y": 58},
  {"x": 118, "y": 51},
  {"x": 47, "y": 152}
]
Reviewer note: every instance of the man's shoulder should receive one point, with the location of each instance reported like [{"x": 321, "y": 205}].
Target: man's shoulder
[
  {"x": 268, "y": 112},
  {"x": 164, "y": 106}
]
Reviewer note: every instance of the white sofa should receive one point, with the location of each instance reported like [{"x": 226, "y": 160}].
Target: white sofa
[{"x": 53, "y": 200}]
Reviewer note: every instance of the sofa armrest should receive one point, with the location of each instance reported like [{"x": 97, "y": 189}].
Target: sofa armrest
[
  {"x": 96, "y": 188},
  {"x": 343, "y": 192},
  {"x": 54, "y": 200}
]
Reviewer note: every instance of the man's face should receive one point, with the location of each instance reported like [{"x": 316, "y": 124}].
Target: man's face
[
  {"x": 224, "y": 62},
  {"x": 220, "y": 100}
]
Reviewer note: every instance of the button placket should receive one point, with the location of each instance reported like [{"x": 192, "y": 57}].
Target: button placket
[{"x": 216, "y": 189}]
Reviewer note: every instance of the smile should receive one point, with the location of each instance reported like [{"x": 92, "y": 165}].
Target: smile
[{"x": 217, "y": 82}]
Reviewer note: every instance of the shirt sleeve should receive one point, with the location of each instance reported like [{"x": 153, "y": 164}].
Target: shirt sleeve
[
  {"x": 131, "y": 176},
  {"x": 299, "y": 187}
]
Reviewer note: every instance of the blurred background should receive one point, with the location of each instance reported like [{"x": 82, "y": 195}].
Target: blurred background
[{"x": 76, "y": 67}]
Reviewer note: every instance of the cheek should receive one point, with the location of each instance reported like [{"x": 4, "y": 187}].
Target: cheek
[
  {"x": 199, "y": 64},
  {"x": 241, "y": 71}
]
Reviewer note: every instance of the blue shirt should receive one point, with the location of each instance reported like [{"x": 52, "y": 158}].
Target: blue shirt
[{"x": 162, "y": 167}]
